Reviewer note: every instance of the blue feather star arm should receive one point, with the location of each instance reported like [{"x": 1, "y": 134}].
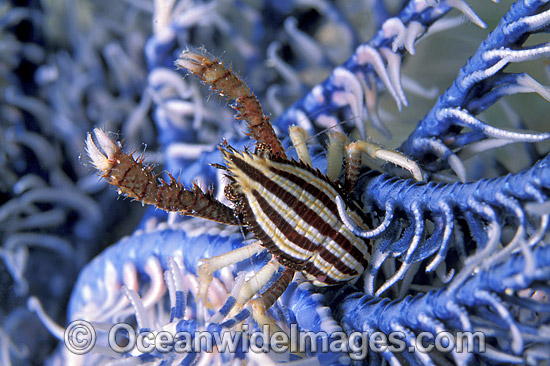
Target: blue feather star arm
[
  {"x": 374, "y": 66},
  {"x": 107, "y": 65},
  {"x": 488, "y": 206},
  {"x": 501, "y": 311},
  {"x": 452, "y": 125},
  {"x": 155, "y": 268},
  {"x": 49, "y": 224}
]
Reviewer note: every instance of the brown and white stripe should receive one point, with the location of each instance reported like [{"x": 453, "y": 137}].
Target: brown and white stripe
[{"x": 291, "y": 209}]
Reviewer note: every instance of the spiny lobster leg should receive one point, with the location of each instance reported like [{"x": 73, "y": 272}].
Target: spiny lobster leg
[
  {"x": 335, "y": 154},
  {"x": 256, "y": 283},
  {"x": 207, "y": 267},
  {"x": 251, "y": 287},
  {"x": 136, "y": 180},
  {"x": 242, "y": 294},
  {"x": 355, "y": 152},
  {"x": 335, "y": 150},
  {"x": 226, "y": 83},
  {"x": 299, "y": 137},
  {"x": 268, "y": 298}
]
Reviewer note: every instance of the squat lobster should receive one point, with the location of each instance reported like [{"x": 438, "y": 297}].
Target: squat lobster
[{"x": 307, "y": 220}]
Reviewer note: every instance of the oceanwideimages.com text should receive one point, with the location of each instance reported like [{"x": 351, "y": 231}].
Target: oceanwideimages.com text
[{"x": 80, "y": 338}]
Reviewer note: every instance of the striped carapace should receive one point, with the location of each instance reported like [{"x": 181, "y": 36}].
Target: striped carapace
[
  {"x": 291, "y": 209},
  {"x": 305, "y": 218}
]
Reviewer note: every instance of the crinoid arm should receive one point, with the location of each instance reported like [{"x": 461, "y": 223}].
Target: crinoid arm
[
  {"x": 136, "y": 180},
  {"x": 454, "y": 129}
]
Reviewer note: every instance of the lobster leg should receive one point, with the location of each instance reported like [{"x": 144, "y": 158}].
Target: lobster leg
[
  {"x": 136, "y": 180},
  {"x": 208, "y": 266},
  {"x": 226, "y": 83},
  {"x": 335, "y": 154},
  {"x": 268, "y": 298},
  {"x": 299, "y": 137},
  {"x": 355, "y": 152}
]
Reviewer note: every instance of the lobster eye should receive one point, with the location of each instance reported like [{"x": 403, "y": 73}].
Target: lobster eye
[
  {"x": 263, "y": 151},
  {"x": 231, "y": 193}
]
